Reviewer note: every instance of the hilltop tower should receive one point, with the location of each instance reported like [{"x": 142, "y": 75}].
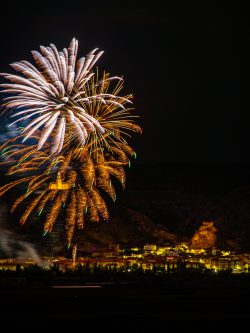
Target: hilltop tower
[{"x": 59, "y": 184}]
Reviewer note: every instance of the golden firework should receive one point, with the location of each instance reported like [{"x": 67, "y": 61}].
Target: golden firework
[{"x": 78, "y": 130}]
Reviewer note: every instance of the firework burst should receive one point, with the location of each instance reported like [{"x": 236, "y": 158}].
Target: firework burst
[
  {"x": 56, "y": 95},
  {"x": 78, "y": 127},
  {"x": 84, "y": 178}
]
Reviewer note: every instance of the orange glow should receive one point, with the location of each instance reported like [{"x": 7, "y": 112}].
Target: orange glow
[{"x": 59, "y": 184}]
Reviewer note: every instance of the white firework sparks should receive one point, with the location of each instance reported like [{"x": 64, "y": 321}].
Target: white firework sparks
[{"x": 53, "y": 95}]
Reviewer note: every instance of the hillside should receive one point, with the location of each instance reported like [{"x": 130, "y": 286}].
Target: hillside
[{"x": 160, "y": 204}]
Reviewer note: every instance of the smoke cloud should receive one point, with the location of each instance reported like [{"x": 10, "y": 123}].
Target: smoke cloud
[{"x": 11, "y": 246}]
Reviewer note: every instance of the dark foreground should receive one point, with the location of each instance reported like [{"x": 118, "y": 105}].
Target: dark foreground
[{"x": 175, "y": 304}]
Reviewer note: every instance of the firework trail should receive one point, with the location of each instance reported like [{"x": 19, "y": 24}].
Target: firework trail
[
  {"x": 78, "y": 129},
  {"x": 71, "y": 183},
  {"x": 55, "y": 95}
]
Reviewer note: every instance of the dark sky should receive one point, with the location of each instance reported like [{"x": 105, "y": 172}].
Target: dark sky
[{"x": 183, "y": 65}]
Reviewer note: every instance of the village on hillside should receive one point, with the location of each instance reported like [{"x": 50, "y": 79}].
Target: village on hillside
[{"x": 199, "y": 253}]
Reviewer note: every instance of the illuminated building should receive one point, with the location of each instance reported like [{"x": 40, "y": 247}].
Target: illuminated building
[
  {"x": 150, "y": 248},
  {"x": 59, "y": 184}
]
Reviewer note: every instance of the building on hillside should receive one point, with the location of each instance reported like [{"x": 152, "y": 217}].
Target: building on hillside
[
  {"x": 59, "y": 184},
  {"x": 150, "y": 248}
]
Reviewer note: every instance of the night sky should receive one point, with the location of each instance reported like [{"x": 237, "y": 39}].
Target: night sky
[{"x": 183, "y": 64}]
